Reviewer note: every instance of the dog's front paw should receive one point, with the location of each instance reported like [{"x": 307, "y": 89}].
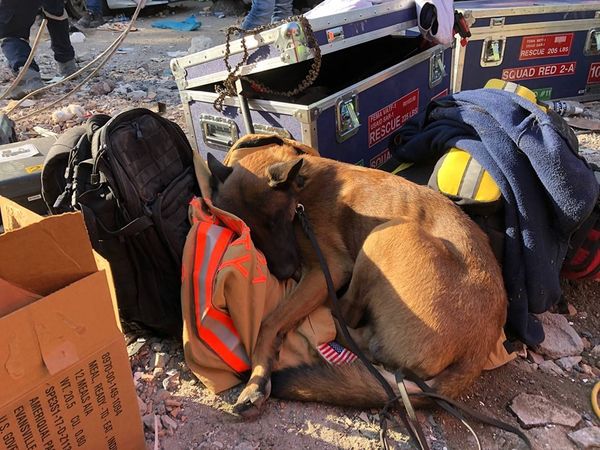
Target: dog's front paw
[{"x": 250, "y": 403}]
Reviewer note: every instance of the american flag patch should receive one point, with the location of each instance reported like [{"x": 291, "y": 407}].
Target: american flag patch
[{"x": 334, "y": 353}]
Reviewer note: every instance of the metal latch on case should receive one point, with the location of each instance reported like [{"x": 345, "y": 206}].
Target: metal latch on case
[
  {"x": 437, "y": 68},
  {"x": 347, "y": 119},
  {"x": 218, "y": 132},
  {"x": 592, "y": 43},
  {"x": 492, "y": 52}
]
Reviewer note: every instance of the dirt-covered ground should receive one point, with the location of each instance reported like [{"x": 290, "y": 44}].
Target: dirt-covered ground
[{"x": 190, "y": 416}]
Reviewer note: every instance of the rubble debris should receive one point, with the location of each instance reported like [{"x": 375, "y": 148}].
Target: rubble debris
[
  {"x": 102, "y": 88},
  {"x": 7, "y": 130},
  {"x": 586, "y": 369},
  {"x": 200, "y": 43},
  {"x": 561, "y": 339},
  {"x": 70, "y": 112},
  {"x": 550, "y": 367},
  {"x": 535, "y": 411},
  {"x": 77, "y": 38},
  {"x": 550, "y": 438},
  {"x": 142, "y": 406},
  {"x": 160, "y": 360},
  {"x": 136, "y": 95},
  {"x": 149, "y": 421},
  {"x": 595, "y": 351},
  {"x": 534, "y": 357},
  {"x": 176, "y": 54},
  {"x": 117, "y": 26},
  {"x": 586, "y": 438},
  {"x": 168, "y": 422},
  {"x": 156, "y": 347},
  {"x": 172, "y": 403},
  {"x": 245, "y": 445},
  {"x": 568, "y": 362},
  {"x": 572, "y": 310},
  {"x": 134, "y": 348},
  {"x": 43, "y": 132},
  {"x": 172, "y": 381}
]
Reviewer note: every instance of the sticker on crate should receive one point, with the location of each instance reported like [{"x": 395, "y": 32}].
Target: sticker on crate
[
  {"x": 20, "y": 152},
  {"x": 388, "y": 119},
  {"x": 543, "y": 94},
  {"x": 546, "y": 46},
  {"x": 380, "y": 159},
  {"x": 594, "y": 73},
  {"x": 542, "y": 71}
]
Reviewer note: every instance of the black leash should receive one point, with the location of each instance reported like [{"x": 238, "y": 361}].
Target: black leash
[
  {"x": 411, "y": 424},
  {"x": 408, "y": 417},
  {"x": 456, "y": 409}
]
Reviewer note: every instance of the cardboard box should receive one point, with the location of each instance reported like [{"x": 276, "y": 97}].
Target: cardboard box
[{"x": 64, "y": 371}]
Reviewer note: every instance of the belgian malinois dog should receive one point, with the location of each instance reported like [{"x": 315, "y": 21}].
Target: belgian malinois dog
[{"x": 424, "y": 290}]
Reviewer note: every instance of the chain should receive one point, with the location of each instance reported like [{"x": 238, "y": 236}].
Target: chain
[{"x": 228, "y": 87}]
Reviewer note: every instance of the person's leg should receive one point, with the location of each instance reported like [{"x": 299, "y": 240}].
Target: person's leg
[
  {"x": 260, "y": 14},
  {"x": 16, "y": 19},
  {"x": 58, "y": 27},
  {"x": 95, "y": 6},
  {"x": 93, "y": 17},
  {"x": 283, "y": 9}
]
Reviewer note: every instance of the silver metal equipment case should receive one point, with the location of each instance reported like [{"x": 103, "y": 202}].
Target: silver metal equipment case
[
  {"x": 376, "y": 72},
  {"x": 549, "y": 46},
  {"x": 278, "y": 47}
]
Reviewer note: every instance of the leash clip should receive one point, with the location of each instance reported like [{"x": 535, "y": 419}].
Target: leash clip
[{"x": 299, "y": 208}]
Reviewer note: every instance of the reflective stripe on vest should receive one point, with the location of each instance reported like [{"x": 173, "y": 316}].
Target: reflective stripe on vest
[{"x": 214, "y": 327}]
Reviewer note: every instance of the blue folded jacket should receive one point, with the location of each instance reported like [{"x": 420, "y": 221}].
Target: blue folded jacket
[{"x": 548, "y": 189}]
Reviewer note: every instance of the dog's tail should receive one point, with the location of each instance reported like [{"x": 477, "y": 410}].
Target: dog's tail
[{"x": 353, "y": 385}]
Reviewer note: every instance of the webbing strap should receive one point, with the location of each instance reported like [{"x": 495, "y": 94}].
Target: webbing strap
[{"x": 412, "y": 426}]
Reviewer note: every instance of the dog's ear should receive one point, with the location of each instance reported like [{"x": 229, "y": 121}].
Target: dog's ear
[
  {"x": 286, "y": 174},
  {"x": 218, "y": 170}
]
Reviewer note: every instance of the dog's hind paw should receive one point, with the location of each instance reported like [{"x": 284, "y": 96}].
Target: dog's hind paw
[{"x": 250, "y": 403}]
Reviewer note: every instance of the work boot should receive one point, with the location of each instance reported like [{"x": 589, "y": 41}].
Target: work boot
[
  {"x": 90, "y": 20},
  {"x": 67, "y": 68},
  {"x": 30, "y": 82}
]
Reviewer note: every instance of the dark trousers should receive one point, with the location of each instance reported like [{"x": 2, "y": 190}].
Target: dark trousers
[{"x": 16, "y": 19}]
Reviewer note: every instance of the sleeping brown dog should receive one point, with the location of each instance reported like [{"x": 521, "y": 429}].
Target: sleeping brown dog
[{"x": 424, "y": 291}]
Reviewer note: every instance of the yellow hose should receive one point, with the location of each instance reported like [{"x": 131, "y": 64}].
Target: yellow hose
[{"x": 595, "y": 392}]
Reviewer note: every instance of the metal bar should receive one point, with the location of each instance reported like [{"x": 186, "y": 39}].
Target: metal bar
[
  {"x": 245, "y": 110},
  {"x": 533, "y": 28}
]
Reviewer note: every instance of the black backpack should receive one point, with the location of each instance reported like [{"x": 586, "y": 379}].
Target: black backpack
[{"x": 132, "y": 177}]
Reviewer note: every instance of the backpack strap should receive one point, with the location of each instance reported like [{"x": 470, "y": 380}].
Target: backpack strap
[{"x": 55, "y": 175}]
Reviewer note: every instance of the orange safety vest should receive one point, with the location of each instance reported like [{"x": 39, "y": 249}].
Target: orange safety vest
[
  {"x": 227, "y": 290},
  {"x": 214, "y": 327}
]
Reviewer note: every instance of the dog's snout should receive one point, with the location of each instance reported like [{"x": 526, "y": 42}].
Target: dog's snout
[
  {"x": 297, "y": 274},
  {"x": 285, "y": 271}
]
